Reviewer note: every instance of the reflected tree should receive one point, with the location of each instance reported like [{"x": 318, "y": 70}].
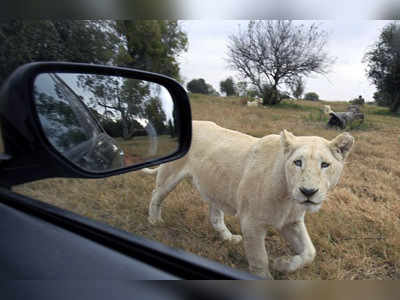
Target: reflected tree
[
  {"x": 119, "y": 102},
  {"x": 156, "y": 115},
  {"x": 125, "y": 105}
]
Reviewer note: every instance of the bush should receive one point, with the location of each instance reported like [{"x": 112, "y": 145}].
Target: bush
[
  {"x": 311, "y": 96},
  {"x": 252, "y": 93},
  {"x": 243, "y": 101},
  {"x": 284, "y": 95},
  {"x": 270, "y": 95},
  {"x": 200, "y": 86},
  {"x": 358, "y": 101},
  {"x": 228, "y": 87},
  {"x": 285, "y": 104}
]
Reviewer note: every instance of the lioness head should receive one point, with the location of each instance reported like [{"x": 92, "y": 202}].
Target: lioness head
[{"x": 313, "y": 166}]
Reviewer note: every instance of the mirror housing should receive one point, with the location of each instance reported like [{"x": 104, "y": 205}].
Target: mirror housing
[{"x": 29, "y": 155}]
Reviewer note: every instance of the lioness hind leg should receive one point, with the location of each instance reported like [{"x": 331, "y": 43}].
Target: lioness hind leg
[
  {"x": 297, "y": 236},
  {"x": 165, "y": 184},
  {"x": 217, "y": 221}
]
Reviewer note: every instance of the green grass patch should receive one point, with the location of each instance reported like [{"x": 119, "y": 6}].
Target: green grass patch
[
  {"x": 362, "y": 126},
  {"x": 276, "y": 117},
  {"x": 384, "y": 112},
  {"x": 294, "y": 106},
  {"x": 195, "y": 96},
  {"x": 316, "y": 116}
]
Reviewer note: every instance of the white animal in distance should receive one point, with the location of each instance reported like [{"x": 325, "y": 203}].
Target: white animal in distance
[{"x": 252, "y": 103}]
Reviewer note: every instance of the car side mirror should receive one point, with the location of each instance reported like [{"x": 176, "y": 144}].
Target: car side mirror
[{"x": 91, "y": 121}]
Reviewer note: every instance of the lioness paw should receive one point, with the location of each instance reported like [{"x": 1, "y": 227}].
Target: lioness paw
[
  {"x": 287, "y": 263},
  {"x": 233, "y": 238},
  {"x": 236, "y": 238},
  {"x": 153, "y": 220}
]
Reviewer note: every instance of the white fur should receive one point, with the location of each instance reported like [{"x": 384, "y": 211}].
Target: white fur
[
  {"x": 327, "y": 109},
  {"x": 252, "y": 103},
  {"x": 256, "y": 179}
]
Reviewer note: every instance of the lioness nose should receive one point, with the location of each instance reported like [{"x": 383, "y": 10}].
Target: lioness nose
[{"x": 308, "y": 192}]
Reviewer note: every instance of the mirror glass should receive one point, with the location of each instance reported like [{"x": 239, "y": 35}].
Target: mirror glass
[{"x": 102, "y": 123}]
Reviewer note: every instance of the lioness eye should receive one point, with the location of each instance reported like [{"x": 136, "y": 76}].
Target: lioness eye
[
  {"x": 297, "y": 162},
  {"x": 324, "y": 165}
]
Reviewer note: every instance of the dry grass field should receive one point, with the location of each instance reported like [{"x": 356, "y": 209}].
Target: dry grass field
[
  {"x": 140, "y": 149},
  {"x": 356, "y": 233}
]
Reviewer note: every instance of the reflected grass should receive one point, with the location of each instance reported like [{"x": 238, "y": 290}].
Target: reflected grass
[{"x": 143, "y": 148}]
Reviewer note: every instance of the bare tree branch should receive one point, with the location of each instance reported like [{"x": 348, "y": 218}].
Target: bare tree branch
[{"x": 271, "y": 53}]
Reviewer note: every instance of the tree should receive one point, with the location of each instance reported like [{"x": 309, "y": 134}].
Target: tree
[
  {"x": 156, "y": 116},
  {"x": 200, "y": 86},
  {"x": 311, "y": 96},
  {"x": 228, "y": 86},
  {"x": 269, "y": 93},
  {"x": 23, "y": 41},
  {"x": 297, "y": 88},
  {"x": 212, "y": 91},
  {"x": 383, "y": 66},
  {"x": 381, "y": 99},
  {"x": 271, "y": 53},
  {"x": 151, "y": 45},
  {"x": 241, "y": 87},
  {"x": 121, "y": 100}
]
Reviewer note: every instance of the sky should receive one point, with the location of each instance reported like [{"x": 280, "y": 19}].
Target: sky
[{"x": 348, "y": 42}]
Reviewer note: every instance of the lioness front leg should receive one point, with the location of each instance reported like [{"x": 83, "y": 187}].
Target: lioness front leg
[
  {"x": 297, "y": 236},
  {"x": 254, "y": 246},
  {"x": 217, "y": 221}
]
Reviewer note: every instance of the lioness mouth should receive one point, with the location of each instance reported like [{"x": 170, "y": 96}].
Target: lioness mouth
[{"x": 307, "y": 202}]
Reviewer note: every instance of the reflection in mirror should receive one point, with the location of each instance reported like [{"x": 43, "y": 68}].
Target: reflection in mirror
[
  {"x": 102, "y": 123},
  {"x": 3, "y": 155}
]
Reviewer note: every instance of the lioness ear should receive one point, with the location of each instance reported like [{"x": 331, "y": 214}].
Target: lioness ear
[
  {"x": 287, "y": 140},
  {"x": 342, "y": 144}
]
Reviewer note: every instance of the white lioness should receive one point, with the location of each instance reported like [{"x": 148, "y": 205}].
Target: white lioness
[{"x": 272, "y": 181}]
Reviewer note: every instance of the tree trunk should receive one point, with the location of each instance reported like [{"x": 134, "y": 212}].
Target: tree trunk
[
  {"x": 395, "y": 107},
  {"x": 275, "y": 95},
  {"x": 126, "y": 132}
]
